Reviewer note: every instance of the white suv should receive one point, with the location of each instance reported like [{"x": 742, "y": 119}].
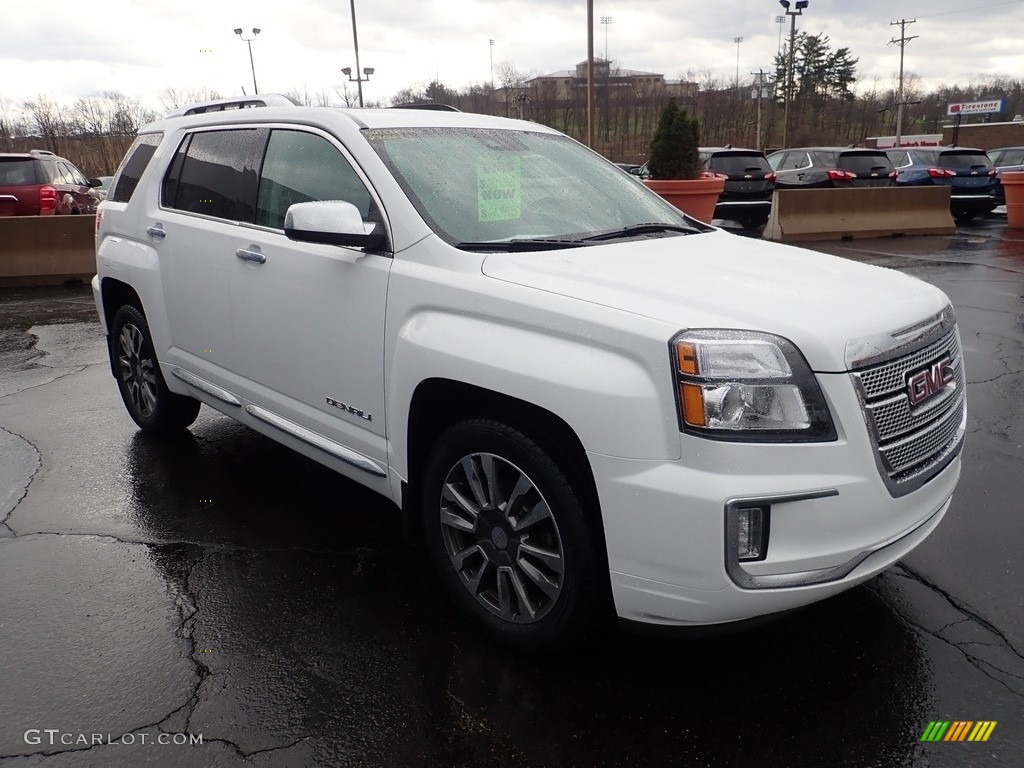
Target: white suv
[{"x": 579, "y": 397}]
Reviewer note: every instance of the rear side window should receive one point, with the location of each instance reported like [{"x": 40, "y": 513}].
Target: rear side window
[
  {"x": 213, "y": 173},
  {"x": 303, "y": 167},
  {"x": 16, "y": 171},
  {"x": 134, "y": 164}
]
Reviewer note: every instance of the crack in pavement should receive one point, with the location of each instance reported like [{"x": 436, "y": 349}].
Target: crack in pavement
[
  {"x": 24, "y": 483},
  {"x": 972, "y": 618}
]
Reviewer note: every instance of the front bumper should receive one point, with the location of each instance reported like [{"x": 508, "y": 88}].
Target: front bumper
[{"x": 834, "y": 524}]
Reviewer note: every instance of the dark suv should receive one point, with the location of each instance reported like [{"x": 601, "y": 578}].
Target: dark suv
[
  {"x": 749, "y": 184},
  {"x": 968, "y": 173},
  {"x": 39, "y": 183},
  {"x": 812, "y": 167}
]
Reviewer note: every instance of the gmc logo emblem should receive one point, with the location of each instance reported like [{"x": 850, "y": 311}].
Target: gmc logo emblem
[{"x": 930, "y": 381}]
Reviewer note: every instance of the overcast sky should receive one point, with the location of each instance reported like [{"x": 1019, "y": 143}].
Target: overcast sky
[{"x": 140, "y": 47}]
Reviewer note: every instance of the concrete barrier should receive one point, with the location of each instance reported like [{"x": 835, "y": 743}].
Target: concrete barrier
[
  {"x": 46, "y": 250},
  {"x": 840, "y": 214}
]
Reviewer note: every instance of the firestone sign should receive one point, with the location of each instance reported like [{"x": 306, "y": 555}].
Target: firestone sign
[{"x": 977, "y": 107}]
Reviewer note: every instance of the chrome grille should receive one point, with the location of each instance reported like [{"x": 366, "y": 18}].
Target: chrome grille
[{"x": 914, "y": 443}]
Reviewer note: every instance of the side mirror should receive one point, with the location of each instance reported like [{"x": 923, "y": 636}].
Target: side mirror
[
  {"x": 95, "y": 183},
  {"x": 332, "y": 222}
]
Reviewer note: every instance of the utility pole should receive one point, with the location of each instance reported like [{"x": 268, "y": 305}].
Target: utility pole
[
  {"x": 789, "y": 78},
  {"x": 902, "y": 43}
]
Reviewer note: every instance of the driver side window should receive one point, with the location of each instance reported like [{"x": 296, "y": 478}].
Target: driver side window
[{"x": 302, "y": 167}]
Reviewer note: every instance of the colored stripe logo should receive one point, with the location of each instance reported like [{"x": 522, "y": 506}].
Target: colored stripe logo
[{"x": 958, "y": 730}]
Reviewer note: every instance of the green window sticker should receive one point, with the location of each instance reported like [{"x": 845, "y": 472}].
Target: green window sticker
[{"x": 499, "y": 188}]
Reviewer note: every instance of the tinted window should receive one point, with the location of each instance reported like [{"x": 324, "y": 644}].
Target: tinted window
[
  {"x": 795, "y": 160},
  {"x": 965, "y": 160},
  {"x": 301, "y": 167},
  {"x": 864, "y": 162},
  {"x": 898, "y": 157},
  {"x": 136, "y": 159},
  {"x": 1012, "y": 157},
  {"x": 16, "y": 170},
  {"x": 828, "y": 159},
  {"x": 214, "y": 174},
  {"x": 738, "y": 163}
]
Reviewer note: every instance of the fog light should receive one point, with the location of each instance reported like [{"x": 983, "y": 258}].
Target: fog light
[{"x": 752, "y": 538}]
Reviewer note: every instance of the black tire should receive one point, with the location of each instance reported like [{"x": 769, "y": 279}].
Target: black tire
[
  {"x": 532, "y": 575},
  {"x": 151, "y": 405},
  {"x": 963, "y": 217},
  {"x": 752, "y": 224}
]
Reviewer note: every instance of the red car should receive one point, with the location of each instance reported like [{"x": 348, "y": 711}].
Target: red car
[{"x": 39, "y": 183}]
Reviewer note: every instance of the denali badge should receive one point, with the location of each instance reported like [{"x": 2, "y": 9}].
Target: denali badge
[
  {"x": 930, "y": 381},
  {"x": 349, "y": 409}
]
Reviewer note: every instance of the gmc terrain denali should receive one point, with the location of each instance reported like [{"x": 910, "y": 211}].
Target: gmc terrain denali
[{"x": 578, "y": 396}]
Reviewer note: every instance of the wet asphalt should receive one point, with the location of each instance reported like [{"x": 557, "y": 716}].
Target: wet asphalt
[{"x": 219, "y": 587}]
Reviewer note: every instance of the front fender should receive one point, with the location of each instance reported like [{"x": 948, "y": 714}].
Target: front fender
[{"x": 617, "y": 397}]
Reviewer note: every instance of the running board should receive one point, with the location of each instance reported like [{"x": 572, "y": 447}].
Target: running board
[{"x": 204, "y": 386}]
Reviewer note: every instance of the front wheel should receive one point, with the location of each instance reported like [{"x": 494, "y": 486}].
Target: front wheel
[
  {"x": 509, "y": 537},
  {"x": 150, "y": 403}
]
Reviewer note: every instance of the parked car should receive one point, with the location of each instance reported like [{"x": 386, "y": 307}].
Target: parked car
[
  {"x": 817, "y": 167},
  {"x": 749, "y": 184},
  {"x": 1005, "y": 159},
  {"x": 630, "y": 168},
  {"x": 581, "y": 400},
  {"x": 39, "y": 183},
  {"x": 968, "y": 173}
]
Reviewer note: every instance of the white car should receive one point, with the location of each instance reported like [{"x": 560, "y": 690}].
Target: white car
[{"x": 582, "y": 400}]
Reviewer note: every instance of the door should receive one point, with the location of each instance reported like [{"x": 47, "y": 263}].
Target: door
[
  {"x": 208, "y": 192},
  {"x": 308, "y": 319}
]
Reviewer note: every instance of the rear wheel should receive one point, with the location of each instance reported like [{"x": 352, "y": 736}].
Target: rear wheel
[
  {"x": 508, "y": 536},
  {"x": 150, "y": 403},
  {"x": 752, "y": 224}
]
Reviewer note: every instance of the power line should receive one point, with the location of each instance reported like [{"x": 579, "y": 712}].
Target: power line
[
  {"x": 973, "y": 9},
  {"x": 902, "y": 43}
]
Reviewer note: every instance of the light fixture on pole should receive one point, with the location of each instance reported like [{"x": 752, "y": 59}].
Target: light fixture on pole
[
  {"x": 607, "y": 21},
  {"x": 792, "y": 13},
  {"x": 248, "y": 41},
  {"x": 780, "y": 20},
  {"x": 347, "y": 71},
  {"x": 492, "y": 65}
]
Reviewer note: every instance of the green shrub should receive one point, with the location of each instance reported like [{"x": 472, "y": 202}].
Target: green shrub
[{"x": 674, "y": 148}]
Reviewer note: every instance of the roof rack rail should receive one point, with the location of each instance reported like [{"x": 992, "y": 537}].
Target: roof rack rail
[
  {"x": 428, "y": 105},
  {"x": 41, "y": 152},
  {"x": 235, "y": 102}
]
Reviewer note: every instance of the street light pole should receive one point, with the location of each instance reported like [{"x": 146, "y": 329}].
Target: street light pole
[
  {"x": 492, "y": 65},
  {"x": 792, "y": 13},
  {"x": 248, "y": 41},
  {"x": 355, "y": 43},
  {"x": 347, "y": 71},
  {"x": 590, "y": 73},
  {"x": 737, "y": 40},
  {"x": 606, "y": 20}
]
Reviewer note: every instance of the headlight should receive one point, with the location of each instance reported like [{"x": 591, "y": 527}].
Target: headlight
[{"x": 741, "y": 385}]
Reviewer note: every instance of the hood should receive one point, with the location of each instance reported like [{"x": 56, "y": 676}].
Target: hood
[{"x": 720, "y": 280}]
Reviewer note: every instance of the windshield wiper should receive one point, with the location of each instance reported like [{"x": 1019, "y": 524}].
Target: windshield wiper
[
  {"x": 641, "y": 229},
  {"x": 519, "y": 245}
]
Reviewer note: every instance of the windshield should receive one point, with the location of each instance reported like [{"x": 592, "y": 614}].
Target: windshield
[
  {"x": 738, "y": 163},
  {"x": 15, "y": 171},
  {"x": 477, "y": 186},
  {"x": 964, "y": 160}
]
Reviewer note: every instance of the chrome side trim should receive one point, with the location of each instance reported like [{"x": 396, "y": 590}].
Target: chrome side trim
[
  {"x": 204, "y": 386},
  {"x": 337, "y": 450}
]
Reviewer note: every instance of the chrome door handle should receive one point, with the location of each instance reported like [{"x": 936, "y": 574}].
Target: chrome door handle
[
  {"x": 156, "y": 232},
  {"x": 253, "y": 256}
]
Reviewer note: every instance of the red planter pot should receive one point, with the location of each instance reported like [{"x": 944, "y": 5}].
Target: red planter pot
[
  {"x": 1013, "y": 186},
  {"x": 696, "y": 197}
]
